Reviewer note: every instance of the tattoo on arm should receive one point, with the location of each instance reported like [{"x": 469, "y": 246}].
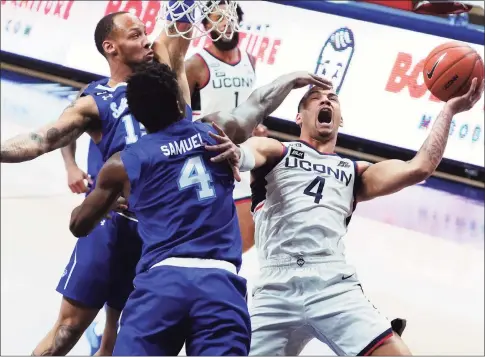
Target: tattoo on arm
[
  {"x": 27, "y": 147},
  {"x": 434, "y": 146},
  {"x": 65, "y": 338}
]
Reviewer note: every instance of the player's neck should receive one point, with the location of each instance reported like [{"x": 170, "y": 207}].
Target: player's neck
[
  {"x": 227, "y": 56},
  {"x": 119, "y": 72},
  {"x": 323, "y": 147}
]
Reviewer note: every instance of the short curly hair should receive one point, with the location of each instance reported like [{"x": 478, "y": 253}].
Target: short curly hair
[{"x": 154, "y": 96}]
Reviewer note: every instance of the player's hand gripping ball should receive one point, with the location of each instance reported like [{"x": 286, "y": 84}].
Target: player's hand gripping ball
[{"x": 450, "y": 68}]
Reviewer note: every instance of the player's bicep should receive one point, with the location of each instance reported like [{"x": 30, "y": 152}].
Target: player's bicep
[
  {"x": 264, "y": 149},
  {"x": 386, "y": 177},
  {"x": 72, "y": 123}
]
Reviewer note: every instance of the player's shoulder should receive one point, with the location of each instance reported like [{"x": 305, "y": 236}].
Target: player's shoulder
[{"x": 100, "y": 88}]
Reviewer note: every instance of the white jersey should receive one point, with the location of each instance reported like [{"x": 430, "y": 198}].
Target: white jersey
[
  {"x": 228, "y": 86},
  {"x": 302, "y": 205}
]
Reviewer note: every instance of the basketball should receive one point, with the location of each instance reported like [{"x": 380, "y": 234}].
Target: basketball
[{"x": 450, "y": 68}]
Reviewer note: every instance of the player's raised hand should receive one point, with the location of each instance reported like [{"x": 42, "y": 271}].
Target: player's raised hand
[
  {"x": 229, "y": 150},
  {"x": 302, "y": 79},
  {"x": 468, "y": 100},
  {"x": 75, "y": 180}
]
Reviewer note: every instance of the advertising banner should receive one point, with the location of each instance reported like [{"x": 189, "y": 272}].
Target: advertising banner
[{"x": 376, "y": 69}]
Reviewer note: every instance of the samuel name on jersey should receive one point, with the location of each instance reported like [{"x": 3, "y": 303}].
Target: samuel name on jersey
[{"x": 182, "y": 146}]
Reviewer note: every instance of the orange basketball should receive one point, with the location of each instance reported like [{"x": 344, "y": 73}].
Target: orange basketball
[{"x": 450, "y": 68}]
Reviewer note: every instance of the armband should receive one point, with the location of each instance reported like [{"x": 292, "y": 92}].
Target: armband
[{"x": 247, "y": 161}]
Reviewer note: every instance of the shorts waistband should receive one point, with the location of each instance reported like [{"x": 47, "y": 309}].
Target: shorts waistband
[
  {"x": 298, "y": 262},
  {"x": 197, "y": 263}
]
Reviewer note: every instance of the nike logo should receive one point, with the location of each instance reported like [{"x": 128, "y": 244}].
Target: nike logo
[
  {"x": 346, "y": 277},
  {"x": 430, "y": 73}
]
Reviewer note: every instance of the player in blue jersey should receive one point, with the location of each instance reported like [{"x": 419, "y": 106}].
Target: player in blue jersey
[
  {"x": 187, "y": 219},
  {"x": 102, "y": 265}
]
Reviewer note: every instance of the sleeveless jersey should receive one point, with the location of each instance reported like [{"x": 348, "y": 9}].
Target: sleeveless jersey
[
  {"x": 302, "y": 205},
  {"x": 182, "y": 200},
  {"x": 95, "y": 159},
  {"x": 228, "y": 86}
]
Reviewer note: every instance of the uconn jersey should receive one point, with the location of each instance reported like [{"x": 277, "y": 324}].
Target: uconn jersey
[
  {"x": 228, "y": 86},
  {"x": 302, "y": 204}
]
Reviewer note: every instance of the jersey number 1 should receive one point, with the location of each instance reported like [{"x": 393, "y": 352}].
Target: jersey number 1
[
  {"x": 195, "y": 173},
  {"x": 317, "y": 193}
]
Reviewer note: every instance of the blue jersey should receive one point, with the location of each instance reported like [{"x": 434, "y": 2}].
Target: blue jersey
[
  {"x": 182, "y": 200},
  {"x": 118, "y": 127}
]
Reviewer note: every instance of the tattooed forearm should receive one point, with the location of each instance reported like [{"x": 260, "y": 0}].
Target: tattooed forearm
[
  {"x": 434, "y": 146},
  {"x": 65, "y": 337},
  {"x": 28, "y": 147}
]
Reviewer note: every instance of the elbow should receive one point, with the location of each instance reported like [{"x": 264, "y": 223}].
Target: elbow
[
  {"x": 421, "y": 172},
  {"x": 76, "y": 225}
]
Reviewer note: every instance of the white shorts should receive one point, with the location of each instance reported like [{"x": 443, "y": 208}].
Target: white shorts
[{"x": 293, "y": 304}]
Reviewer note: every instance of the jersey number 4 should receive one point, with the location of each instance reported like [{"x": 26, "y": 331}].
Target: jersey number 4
[
  {"x": 194, "y": 173},
  {"x": 315, "y": 191}
]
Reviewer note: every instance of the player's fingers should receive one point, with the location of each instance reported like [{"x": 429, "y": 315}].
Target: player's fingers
[
  {"x": 236, "y": 173},
  {"x": 219, "y": 138},
  {"x": 219, "y": 130},
  {"x": 222, "y": 157},
  {"x": 89, "y": 179},
  {"x": 322, "y": 82},
  {"x": 72, "y": 187},
  {"x": 219, "y": 147},
  {"x": 473, "y": 88}
]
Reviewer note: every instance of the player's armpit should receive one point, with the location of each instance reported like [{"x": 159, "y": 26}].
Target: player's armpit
[
  {"x": 387, "y": 177},
  {"x": 194, "y": 69},
  {"x": 112, "y": 182},
  {"x": 72, "y": 123}
]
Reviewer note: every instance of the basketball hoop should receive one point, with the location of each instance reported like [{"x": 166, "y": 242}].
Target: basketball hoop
[
  {"x": 195, "y": 13},
  {"x": 441, "y": 7}
]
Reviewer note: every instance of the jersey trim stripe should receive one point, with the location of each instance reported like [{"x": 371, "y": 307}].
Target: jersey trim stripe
[
  {"x": 228, "y": 63},
  {"x": 311, "y": 147},
  {"x": 378, "y": 341},
  {"x": 207, "y": 70}
]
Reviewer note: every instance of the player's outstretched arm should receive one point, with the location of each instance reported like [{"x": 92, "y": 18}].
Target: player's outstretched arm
[
  {"x": 391, "y": 176},
  {"x": 240, "y": 122},
  {"x": 112, "y": 182},
  {"x": 72, "y": 123},
  {"x": 172, "y": 50}
]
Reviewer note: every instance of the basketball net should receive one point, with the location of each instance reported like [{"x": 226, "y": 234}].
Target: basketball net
[{"x": 194, "y": 13}]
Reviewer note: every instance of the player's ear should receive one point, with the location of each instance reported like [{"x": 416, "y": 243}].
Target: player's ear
[
  {"x": 109, "y": 48},
  {"x": 341, "y": 122},
  {"x": 298, "y": 119}
]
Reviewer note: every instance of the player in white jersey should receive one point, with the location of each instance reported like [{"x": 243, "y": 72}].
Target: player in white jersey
[
  {"x": 303, "y": 198},
  {"x": 221, "y": 77}
]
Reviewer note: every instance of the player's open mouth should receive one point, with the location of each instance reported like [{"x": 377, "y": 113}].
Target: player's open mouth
[{"x": 325, "y": 116}]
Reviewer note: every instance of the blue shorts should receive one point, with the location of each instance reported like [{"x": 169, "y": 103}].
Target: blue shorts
[
  {"x": 204, "y": 307},
  {"x": 103, "y": 264}
]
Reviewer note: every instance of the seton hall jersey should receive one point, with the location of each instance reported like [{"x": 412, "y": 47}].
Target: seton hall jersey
[
  {"x": 182, "y": 200},
  {"x": 228, "y": 86},
  {"x": 302, "y": 205}
]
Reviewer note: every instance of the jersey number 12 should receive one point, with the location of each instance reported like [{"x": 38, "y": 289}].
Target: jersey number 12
[{"x": 194, "y": 173}]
